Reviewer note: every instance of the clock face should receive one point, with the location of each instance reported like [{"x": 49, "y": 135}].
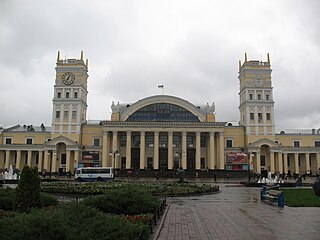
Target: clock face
[{"x": 68, "y": 78}]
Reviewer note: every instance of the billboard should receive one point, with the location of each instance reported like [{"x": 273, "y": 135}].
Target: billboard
[
  {"x": 236, "y": 161},
  {"x": 90, "y": 159}
]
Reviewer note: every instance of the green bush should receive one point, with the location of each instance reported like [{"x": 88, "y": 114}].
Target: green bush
[
  {"x": 128, "y": 200},
  {"x": 6, "y": 199},
  {"x": 70, "y": 222}
]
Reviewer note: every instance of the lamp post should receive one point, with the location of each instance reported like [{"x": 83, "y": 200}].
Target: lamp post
[
  {"x": 114, "y": 153},
  {"x": 180, "y": 169}
]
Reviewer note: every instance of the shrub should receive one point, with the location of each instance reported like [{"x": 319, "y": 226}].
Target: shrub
[
  {"x": 6, "y": 199},
  {"x": 48, "y": 200},
  {"x": 28, "y": 191},
  {"x": 128, "y": 200},
  {"x": 70, "y": 222}
]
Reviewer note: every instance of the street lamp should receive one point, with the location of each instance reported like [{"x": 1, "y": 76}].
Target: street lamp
[{"x": 114, "y": 153}]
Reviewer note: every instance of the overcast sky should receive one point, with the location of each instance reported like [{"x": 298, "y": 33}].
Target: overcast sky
[{"x": 191, "y": 47}]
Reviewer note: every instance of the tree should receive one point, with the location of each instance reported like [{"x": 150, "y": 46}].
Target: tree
[{"x": 27, "y": 193}]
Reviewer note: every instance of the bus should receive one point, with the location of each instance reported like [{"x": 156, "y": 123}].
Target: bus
[{"x": 94, "y": 174}]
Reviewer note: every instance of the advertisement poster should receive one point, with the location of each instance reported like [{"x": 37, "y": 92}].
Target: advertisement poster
[
  {"x": 236, "y": 161},
  {"x": 89, "y": 159}
]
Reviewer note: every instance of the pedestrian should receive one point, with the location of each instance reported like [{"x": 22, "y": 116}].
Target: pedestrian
[
  {"x": 215, "y": 176},
  {"x": 228, "y": 176}
]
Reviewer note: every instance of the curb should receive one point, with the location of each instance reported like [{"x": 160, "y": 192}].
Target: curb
[{"x": 157, "y": 233}]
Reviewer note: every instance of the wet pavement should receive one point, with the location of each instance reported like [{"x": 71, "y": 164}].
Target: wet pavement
[{"x": 236, "y": 213}]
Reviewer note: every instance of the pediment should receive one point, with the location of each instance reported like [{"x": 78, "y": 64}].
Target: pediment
[
  {"x": 62, "y": 139},
  {"x": 265, "y": 141}
]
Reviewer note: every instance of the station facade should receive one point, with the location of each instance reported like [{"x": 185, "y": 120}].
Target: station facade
[{"x": 161, "y": 132}]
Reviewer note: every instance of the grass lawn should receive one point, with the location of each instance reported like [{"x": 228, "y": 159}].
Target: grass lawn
[{"x": 301, "y": 197}]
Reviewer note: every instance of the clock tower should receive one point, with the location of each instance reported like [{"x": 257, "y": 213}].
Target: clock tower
[
  {"x": 70, "y": 98},
  {"x": 256, "y": 99}
]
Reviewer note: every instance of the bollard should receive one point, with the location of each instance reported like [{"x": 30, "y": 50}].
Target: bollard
[{"x": 281, "y": 200}]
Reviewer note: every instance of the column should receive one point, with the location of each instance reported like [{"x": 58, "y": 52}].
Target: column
[
  {"x": 221, "y": 151},
  {"x": 198, "y": 151},
  {"x": 54, "y": 162},
  {"x": 68, "y": 161},
  {"x": 46, "y": 160},
  {"x": 296, "y": 163},
  {"x": 18, "y": 164},
  {"x": 212, "y": 163},
  {"x": 156, "y": 151},
  {"x": 29, "y": 158},
  {"x": 105, "y": 150},
  {"x": 258, "y": 163},
  {"x": 307, "y": 163},
  {"x": 115, "y": 148},
  {"x": 128, "y": 150},
  {"x": 251, "y": 167},
  {"x": 280, "y": 163},
  {"x": 7, "y": 165},
  {"x": 272, "y": 168},
  {"x": 40, "y": 154},
  {"x": 318, "y": 162},
  {"x": 285, "y": 163},
  {"x": 184, "y": 151},
  {"x": 142, "y": 150},
  {"x": 76, "y": 159},
  {"x": 170, "y": 150}
]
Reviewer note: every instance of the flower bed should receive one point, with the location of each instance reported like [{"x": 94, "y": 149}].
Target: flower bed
[{"x": 155, "y": 188}]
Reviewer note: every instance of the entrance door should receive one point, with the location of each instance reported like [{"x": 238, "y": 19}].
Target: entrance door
[
  {"x": 191, "y": 156},
  {"x": 135, "y": 158},
  {"x": 163, "y": 159}
]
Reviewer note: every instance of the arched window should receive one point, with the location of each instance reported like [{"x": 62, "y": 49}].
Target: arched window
[{"x": 163, "y": 112}]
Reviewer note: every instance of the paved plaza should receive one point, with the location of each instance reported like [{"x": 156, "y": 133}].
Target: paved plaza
[{"x": 236, "y": 213}]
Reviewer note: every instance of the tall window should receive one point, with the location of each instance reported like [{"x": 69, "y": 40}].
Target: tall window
[
  {"x": 66, "y": 114},
  {"x": 176, "y": 140},
  {"x": 251, "y": 116},
  {"x": 29, "y": 141},
  {"x": 149, "y": 140},
  {"x": 268, "y": 116},
  {"x": 163, "y": 141},
  {"x": 76, "y": 95},
  {"x": 57, "y": 114},
  {"x": 74, "y": 114},
  {"x": 123, "y": 140},
  {"x": 190, "y": 141},
  {"x": 203, "y": 141},
  {"x": 259, "y": 96},
  {"x": 59, "y": 94},
  {"x": 267, "y": 97},
  {"x": 250, "y": 96},
  {"x": 67, "y": 94},
  {"x": 136, "y": 140},
  {"x": 260, "y": 117}
]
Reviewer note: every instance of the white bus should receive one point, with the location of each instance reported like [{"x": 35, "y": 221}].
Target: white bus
[{"x": 94, "y": 174}]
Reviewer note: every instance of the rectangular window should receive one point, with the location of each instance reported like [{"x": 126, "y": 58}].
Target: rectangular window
[
  {"x": 288, "y": 161},
  {"x": 74, "y": 114},
  {"x": 163, "y": 141},
  {"x": 29, "y": 141},
  {"x": 229, "y": 143},
  {"x": 251, "y": 96},
  {"x": 203, "y": 163},
  {"x": 268, "y": 116},
  {"x": 57, "y": 114},
  {"x": 66, "y": 114},
  {"x": 76, "y": 95},
  {"x": 96, "y": 142},
  {"x": 251, "y": 116},
  {"x": 203, "y": 141},
  {"x": 190, "y": 142},
  {"x": 259, "y": 96},
  {"x": 136, "y": 140},
  {"x": 267, "y": 97},
  {"x": 8, "y": 140},
  {"x": 176, "y": 140},
  {"x": 59, "y": 94},
  {"x": 67, "y": 94},
  {"x": 123, "y": 140},
  {"x": 149, "y": 140},
  {"x": 260, "y": 117},
  {"x": 296, "y": 143},
  {"x": 317, "y": 143},
  {"x": 299, "y": 161}
]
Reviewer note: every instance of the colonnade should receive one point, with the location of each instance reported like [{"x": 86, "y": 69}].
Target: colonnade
[
  {"x": 213, "y": 153},
  {"x": 286, "y": 162}
]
